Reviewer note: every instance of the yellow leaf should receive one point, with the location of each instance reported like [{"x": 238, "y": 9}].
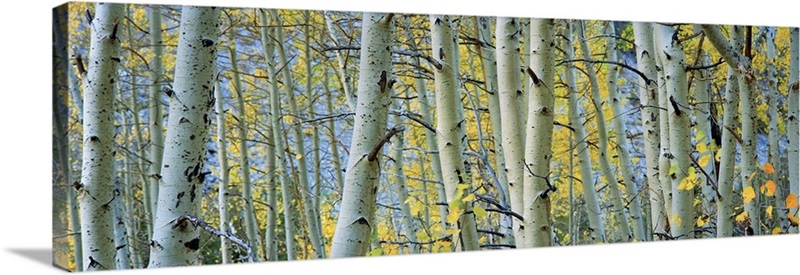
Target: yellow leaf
[
  {"x": 702, "y": 148},
  {"x": 686, "y": 183},
  {"x": 676, "y": 220},
  {"x": 376, "y": 252},
  {"x": 717, "y": 157},
  {"x": 791, "y": 200},
  {"x": 468, "y": 198},
  {"x": 768, "y": 168},
  {"x": 298, "y": 156},
  {"x": 776, "y": 231},
  {"x": 770, "y": 185},
  {"x": 702, "y": 220},
  {"x": 793, "y": 219},
  {"x": 751, "y": 177},
  {"x": 769, "y": 212},
  {"x": 452, "y": 217},
  {"x": 742, "y": 216},
  {"x": 748, "y": 194},
  {"x": 704, "y": 160},
  {"x": 479, "y": 211}
]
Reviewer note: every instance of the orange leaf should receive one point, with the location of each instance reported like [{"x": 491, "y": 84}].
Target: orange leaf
[
  {"x": 768, "y": 168},
  {"x": 770, "y": 185},
  {"x": 791, "y": 201}
]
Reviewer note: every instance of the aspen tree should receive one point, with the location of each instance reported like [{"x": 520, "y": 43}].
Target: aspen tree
[
  {"x": 224, "y": 172},
  {"x": 251, "y": 227},
  {"x": 745, "y": 78},
  {"x": 425, "y": 107},
  {"x": 664, "y": 160},
  {"x": 267, "y": 40},
  {"x": 727, "y": 153},
  {"x": 341, "y": 58},
  {"x": 617, "y": 205},
  {"x": 626, "y": 165},
  {"x": 398, "y": 143},
  {"x": 449, "y": 128},
  {"x": 335, "y": 159},
  {"x": 490, "y": 76},
  {"x": 510, "y": 94},
  {"x": 793, "y": 124},
  {"x": 314, "y": 233},
  {"x": 703, "y": 138},
  {"x": 670, "y": 51},
  {"x": 175, "y": 241},
  {"x": 95, "y": 190},
  {"x": 773, "y": 155},
  {"x": 356, "y": 216},
  {"x": 596, "y": 224},
  {"x": 155, "y": 121}
]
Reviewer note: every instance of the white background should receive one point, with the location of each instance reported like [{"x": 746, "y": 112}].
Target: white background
[{"x": 25, "y": 162}]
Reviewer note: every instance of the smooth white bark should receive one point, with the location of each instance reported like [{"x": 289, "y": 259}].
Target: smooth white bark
[
  {"x": 357, "y": 212},
  {"x": 176, "y": 242},
  {"x": 595, "y": 214},
  {"x": 510, "y": 95},
  {"x": 155, "y": 120},
  {"x": 95, "y": 191},
  {"x": 224, "y": 172},
  {"x": 793, "y": 124}
]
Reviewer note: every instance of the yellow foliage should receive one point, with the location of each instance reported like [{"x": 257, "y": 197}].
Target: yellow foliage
[
  {"x": 742, "y": 216},
  {"x": 704, "y": 160},
  {"x": 769, "y": 212},
  {"x": 702, "y": 220},
  {"x": 768, "y": 168},
  {"x": 676, "y": 219},
  {"x": 776, "y": 231},
  {"x": 769, "y": 188},
  {"x": 791, "y": 200},
  {"x": 748, "y": 194}
]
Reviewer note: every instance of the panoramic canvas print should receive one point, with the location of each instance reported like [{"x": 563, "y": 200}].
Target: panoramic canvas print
[{"x": 186, "y": 135}]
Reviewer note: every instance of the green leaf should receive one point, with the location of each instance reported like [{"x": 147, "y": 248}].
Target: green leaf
[{"x": 376, "y": 252}]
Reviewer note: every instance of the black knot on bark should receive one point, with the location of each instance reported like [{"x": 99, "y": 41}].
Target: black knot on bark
[{"x": 207, "y": 42}]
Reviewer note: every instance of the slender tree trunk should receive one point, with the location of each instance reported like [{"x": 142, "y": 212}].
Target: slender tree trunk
[
  {"x": 672, "y": 57},
  {"x": 315, "y": 130},
  {"x": 357, "y": 212},
  {"x": 61, "y": 119},
  {"x": 664, "y": 160},
  {"x": 773, "y": 156},
  {"x": 430, "y": 138},
  {"x": 176, "y": 242},
  {"x": 95, "y": 191},
  {"x": 745, "y": 78},
  {"x": 703, "y": 137},
  {"x": 510, "y": 94},
  {"x": 648, "y": 96},
  {"x": 490, "y": 76},
  {"x": 250, "y": 224},
  {"x": 793, "y": 124},
  {"x": 335, "y": 158},
  {"x": 525, "y": 30},
  {"x": 268, "y": 41},
  {"x": 539, "y": 137},
  {"x": 299, "y": 148},
  {"x": 224, "y": 173},
  {"x": 341, "y": 58},
  {"x": 121, "y": 243},
  {"x": 626, "y": 165},
  {"x": 398, "y": 143},
  {"x": 449, "y": 132},
  {"x": 270, "y": 234},
  {"x": 617, "y": 205},
  {"x": 155, "y": 114},
  {"x": 596, "y": 225}
]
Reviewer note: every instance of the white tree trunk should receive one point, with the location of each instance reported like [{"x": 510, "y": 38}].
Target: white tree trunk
[
  {"x": 341, "y": 58},
  {"x": 250, "y": 224},
  {"x": 268, "y": 41},
  {"x": 626, "y": 165},
  {"x": 617, "y": 205},
  {"x": 224, "y": 172},
  {"x": 672, "y": 57},
  {"x": 398, "y": 144},
  {"x": 664, "y": 155},
  {"x": 270, "y": 235},
  {"x": 510, "y": 96},
  {"x": 490, "y": 76},
  {"x": 449, "y": 130},
  {"x": 793, "y": 124},
  {"x": 773, "y": 156},
  {"x": 430, "y": 138},
  {"x": 703, "y": 117},
  {"x": 154, "y": 111},
  {"x": 95, "y": 191},
  {"x": 355, "y": 220},
  {"x": 743, "y": 71},
  {"x": 596, "y": 225},
  {"x": 175, "y": 241},
  {"x": 299, "y": 147},
  {"x": 728, "y": 152}
]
